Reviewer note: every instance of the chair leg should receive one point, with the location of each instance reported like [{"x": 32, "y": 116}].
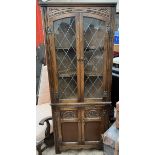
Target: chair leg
[
  {"x": 48, "y": 141},
  {"x": 39, "y": 149},
  {"x": 40, "y": 153}
]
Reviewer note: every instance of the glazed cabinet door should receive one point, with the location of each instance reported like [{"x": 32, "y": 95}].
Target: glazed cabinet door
[
  {"x": 94, "y": 31},
  {"x": 64, "y": 44},
  {"x": 80, "y": 48},
  {"x": 96, "y": 54}
]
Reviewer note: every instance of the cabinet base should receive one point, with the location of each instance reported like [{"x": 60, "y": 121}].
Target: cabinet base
[{"x": 79, "y": 147}]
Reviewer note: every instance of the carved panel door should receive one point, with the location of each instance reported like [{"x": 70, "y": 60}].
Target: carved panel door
[
  {"x": 94, "y": 124},
  {"x": 70, "y": 126}
]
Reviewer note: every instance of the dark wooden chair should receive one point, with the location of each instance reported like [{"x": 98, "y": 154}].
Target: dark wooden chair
[{"x": 44, "y": 123}]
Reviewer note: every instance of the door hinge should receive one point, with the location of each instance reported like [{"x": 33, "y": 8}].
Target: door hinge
[
  {"x": 109, "y": 30},
  {"x": 49, "y": 30},
  {"x": 105, "y": 94}
]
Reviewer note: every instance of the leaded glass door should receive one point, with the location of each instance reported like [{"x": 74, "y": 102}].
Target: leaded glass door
[
  {"x": 93, "y": 52},
  {"x": 66, "y": 52},
  {"x": 78, "y": 48}
]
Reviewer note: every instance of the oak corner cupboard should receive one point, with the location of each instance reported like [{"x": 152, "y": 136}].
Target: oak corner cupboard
[{"x": 79, "y": 44}]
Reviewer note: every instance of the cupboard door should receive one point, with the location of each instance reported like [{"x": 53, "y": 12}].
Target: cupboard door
[
  {"x": 92, "y": 131},
  {"x": 93, "y": 52},
  {"x": 92, "y": 125},
  {"x": 70, "y": 126},
  {"x": 66, "y": 51},
  {"x": 69, "y": 132}
]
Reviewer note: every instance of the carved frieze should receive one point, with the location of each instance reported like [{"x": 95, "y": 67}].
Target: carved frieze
[
  {"x": 68, "y": 114},
  {"x": 58, "y": 11},
  {"x": 92, "y": 114}
]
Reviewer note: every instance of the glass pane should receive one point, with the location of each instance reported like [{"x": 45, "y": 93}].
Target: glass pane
[
  {"x": 94, "y": 30},
  {"x": 65, "y": 41}
]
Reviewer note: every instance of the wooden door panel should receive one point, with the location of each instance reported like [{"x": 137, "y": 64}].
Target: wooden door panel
[
  {"x": 70, "y": 125},
  {"x": 91, "y": 124},
  {"x": 92, "y": 131},
  {"x": 95, "y": 121},
  {"x": 69, "y": 132}
]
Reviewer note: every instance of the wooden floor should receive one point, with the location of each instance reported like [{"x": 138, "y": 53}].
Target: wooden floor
[{"x": 51, "y": 151}]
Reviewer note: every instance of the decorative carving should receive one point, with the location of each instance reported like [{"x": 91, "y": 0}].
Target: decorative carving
[
  {"x": 105, "y": 11},
  {"x": 101, "y": 11},
  {"x": 68, "y": 114},
  {"x": 108, "y": 27},
  {"x": 91, "y": 113}
]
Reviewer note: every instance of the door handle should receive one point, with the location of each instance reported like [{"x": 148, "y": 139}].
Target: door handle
[{"x": 80, "y": 59}]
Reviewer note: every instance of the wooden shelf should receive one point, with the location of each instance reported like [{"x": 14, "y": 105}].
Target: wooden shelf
[
  {"x": 93, "y": 48},
  {"x": 95, "y": 74},
  {"x": 65, "y": 75}
]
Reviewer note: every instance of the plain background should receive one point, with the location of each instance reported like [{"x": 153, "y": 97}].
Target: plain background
[{"x": 18, "y": 69}]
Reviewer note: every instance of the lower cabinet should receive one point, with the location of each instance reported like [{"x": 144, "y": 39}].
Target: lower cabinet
[{"x": 80, "y": 127}]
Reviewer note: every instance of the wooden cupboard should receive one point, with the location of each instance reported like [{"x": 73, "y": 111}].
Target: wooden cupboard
[{"x": 79, "y": 44}]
